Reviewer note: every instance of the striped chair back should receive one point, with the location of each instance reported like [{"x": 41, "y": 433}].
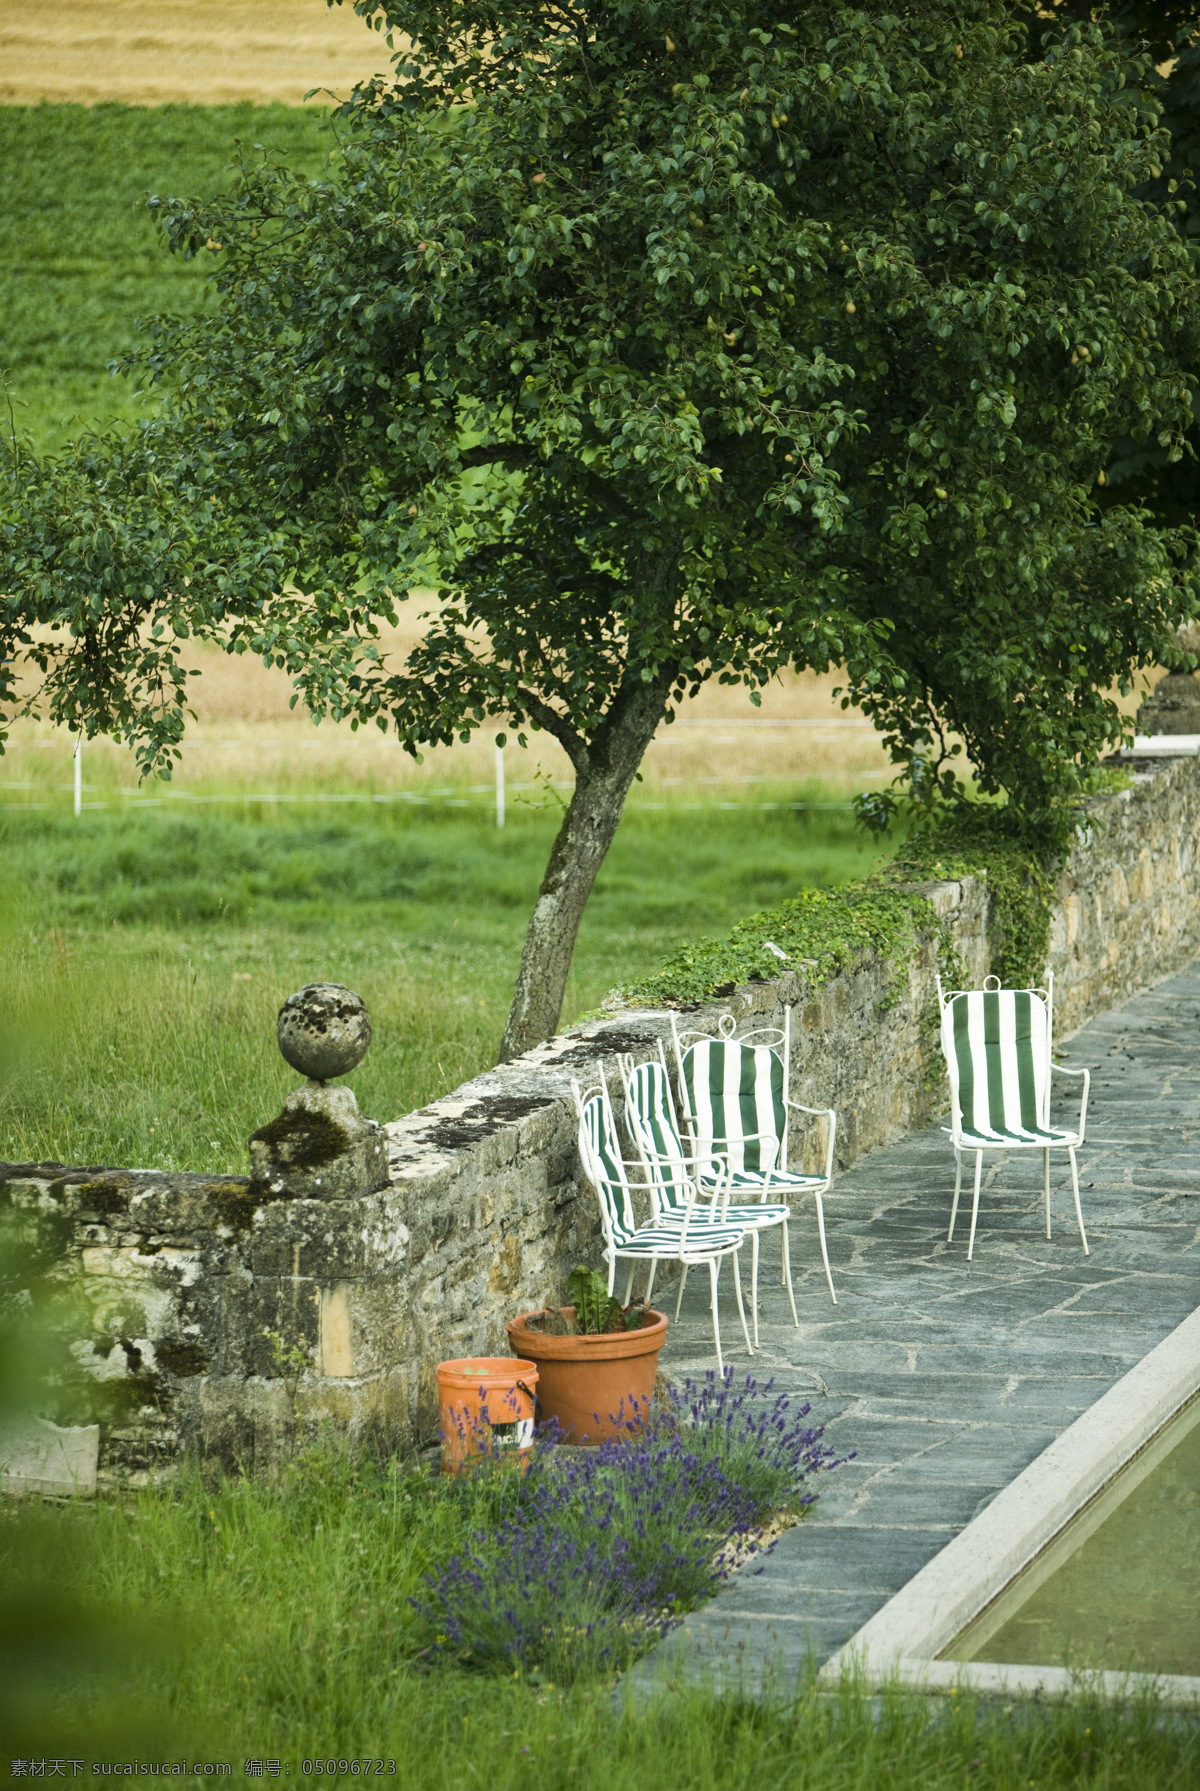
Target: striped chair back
[
  {"x": 601, "y": 1154},
  {"x": 734, "y": 1090},
  {"x": 997, "y": 1047},
  {"x": 650, "y": 1116}
]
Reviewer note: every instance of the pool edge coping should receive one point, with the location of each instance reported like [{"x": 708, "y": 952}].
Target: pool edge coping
[{"x": 901, "y": 1641}]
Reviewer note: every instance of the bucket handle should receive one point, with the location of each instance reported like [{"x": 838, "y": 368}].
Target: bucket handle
[{"x": 521, "y": 1387}]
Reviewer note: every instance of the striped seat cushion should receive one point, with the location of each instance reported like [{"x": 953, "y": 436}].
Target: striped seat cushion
[
  {"x": 1039, "y": 1135},
  {"x": 782, "y": 1181},
  {"x": 755, "y": 1215},
  {"x": 997, "y": 1051},
  {"x": 650, "y": 1115},
  {"x": 735, "y": 1093},
  {"x": 601, "y": 1154},
  {"x": 665, "y": 1237}
]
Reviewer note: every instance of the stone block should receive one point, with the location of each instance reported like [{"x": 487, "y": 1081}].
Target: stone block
[
  {"x": 39, "y": 1457},
  {"x": 319, "y": 1148}
]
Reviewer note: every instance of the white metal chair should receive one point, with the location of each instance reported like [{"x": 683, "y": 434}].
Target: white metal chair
[
  {"x": 675, "y": 1173},
  {"x": 687, "y": 1237},
  {"x": 998, "y": 1046},
  {"x": 736, "y": 1105}
]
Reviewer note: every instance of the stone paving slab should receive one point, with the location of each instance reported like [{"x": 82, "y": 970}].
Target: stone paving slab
[{"x": 943, "y": 1378}]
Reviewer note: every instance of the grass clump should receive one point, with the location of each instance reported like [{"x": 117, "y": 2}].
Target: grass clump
[{"x": 230, "y": 1620}]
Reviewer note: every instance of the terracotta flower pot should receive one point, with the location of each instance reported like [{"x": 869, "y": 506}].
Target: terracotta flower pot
[{"x": 592, "y": 1385}]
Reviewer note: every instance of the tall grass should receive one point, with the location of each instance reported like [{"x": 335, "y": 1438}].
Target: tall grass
[
  {"x": 231, "y": 1621},
  {"x": 148, "y": 953}
]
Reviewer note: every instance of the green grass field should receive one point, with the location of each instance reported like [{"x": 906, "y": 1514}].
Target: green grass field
[
  {"x": 148, "y": 951},
  {"x": 80, "y": 259}
]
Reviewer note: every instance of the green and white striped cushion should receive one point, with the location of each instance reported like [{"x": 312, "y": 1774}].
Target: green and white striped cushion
[
  {"x": 996, "y": 1046},
  {"x": 735, "y": 1092},
  {"x": 790, "y": 1181},
  {"x": 602, "y": 1161},
  {"x": 601, "y": 1155},
  {"x": 650, "y": 1116},
  {"x": 664, "y": 1239}
]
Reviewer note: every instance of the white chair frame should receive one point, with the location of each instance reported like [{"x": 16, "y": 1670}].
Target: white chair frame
[
  {"x": 778, "y": 1040},
  {"x": 675, "y": 1168},
  {"x": 688, "y": 1238},
  {"x": 966, "y": 1144}
]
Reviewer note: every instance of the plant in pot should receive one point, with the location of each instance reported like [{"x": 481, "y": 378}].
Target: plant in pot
[{"x": 597, "y": 1359}]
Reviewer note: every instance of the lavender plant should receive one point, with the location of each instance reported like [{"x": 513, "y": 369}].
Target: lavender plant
[{"x": 604, "y": 1548}]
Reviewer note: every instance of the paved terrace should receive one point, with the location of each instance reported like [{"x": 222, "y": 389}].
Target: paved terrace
[{"x": 946, "y": 1378}]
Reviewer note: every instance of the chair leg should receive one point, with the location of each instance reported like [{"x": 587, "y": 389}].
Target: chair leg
[
  {"x": 682, "y": 1285},
  {"x": 737, "y": 1288},
  {"x": 629, "y": 1283},
  {"x": 1078, "y": 1208},
  {"x": 824, "y": 1250},
  {"x": 754, "y": 1282},
  {"x": 1046, "y": 1186},
  {"x": 975, "y": 1202},
  {"x": 650, "y": 1283},
  {"x": 712, "y": 1275},
  {"x": 787, "y": 1272},
  {"x": 957, "y": 1192}
]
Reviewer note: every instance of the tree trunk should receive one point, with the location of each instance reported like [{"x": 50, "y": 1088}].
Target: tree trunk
[{"x": 601, "y": 786}]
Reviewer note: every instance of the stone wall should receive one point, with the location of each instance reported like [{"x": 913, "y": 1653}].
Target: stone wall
[
  {"x": 215, "y": 1318},
  {"x": 1128, "y": 906}
]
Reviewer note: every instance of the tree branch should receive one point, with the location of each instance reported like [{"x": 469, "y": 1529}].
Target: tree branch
[{"x": 551, "y": 722}]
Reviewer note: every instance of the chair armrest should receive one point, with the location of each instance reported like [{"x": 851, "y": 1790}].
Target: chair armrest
[
  {"x": 705, "y": 1159},
  {"x": 830, "y": 1114},
  {"x": 1061, "y": 1069},
  {"x": 821, "y": 1112}
]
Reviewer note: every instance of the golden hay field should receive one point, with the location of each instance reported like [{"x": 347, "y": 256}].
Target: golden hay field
[
  {"x": 209, "y": 52},
  {"x": 246, "y": 739}
]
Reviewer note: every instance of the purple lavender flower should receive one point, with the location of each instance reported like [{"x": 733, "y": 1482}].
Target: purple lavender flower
[{"x": 597, "y": 1552}]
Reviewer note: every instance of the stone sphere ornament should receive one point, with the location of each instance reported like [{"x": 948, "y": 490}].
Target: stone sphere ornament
[{"x": 324, "y": 1030}]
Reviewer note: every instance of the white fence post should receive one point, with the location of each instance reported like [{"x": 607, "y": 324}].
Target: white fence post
[
  {"x": 499, "y": 786},
  {"x": 79, "y": 776}
]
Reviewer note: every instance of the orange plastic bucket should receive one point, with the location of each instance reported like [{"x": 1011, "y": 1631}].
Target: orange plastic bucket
[{"x": 487, "y": 1410}]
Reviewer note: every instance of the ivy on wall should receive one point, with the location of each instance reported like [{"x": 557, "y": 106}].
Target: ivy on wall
[
  {"x": 821, "y": 931},
  {"x": 982, "y": 840}
]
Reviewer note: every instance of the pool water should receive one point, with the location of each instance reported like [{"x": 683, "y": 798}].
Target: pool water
[{"x": 1120, "y": 1587}]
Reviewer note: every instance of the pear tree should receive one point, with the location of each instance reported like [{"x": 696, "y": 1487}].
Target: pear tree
[{"x": 668, "y": 342}]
